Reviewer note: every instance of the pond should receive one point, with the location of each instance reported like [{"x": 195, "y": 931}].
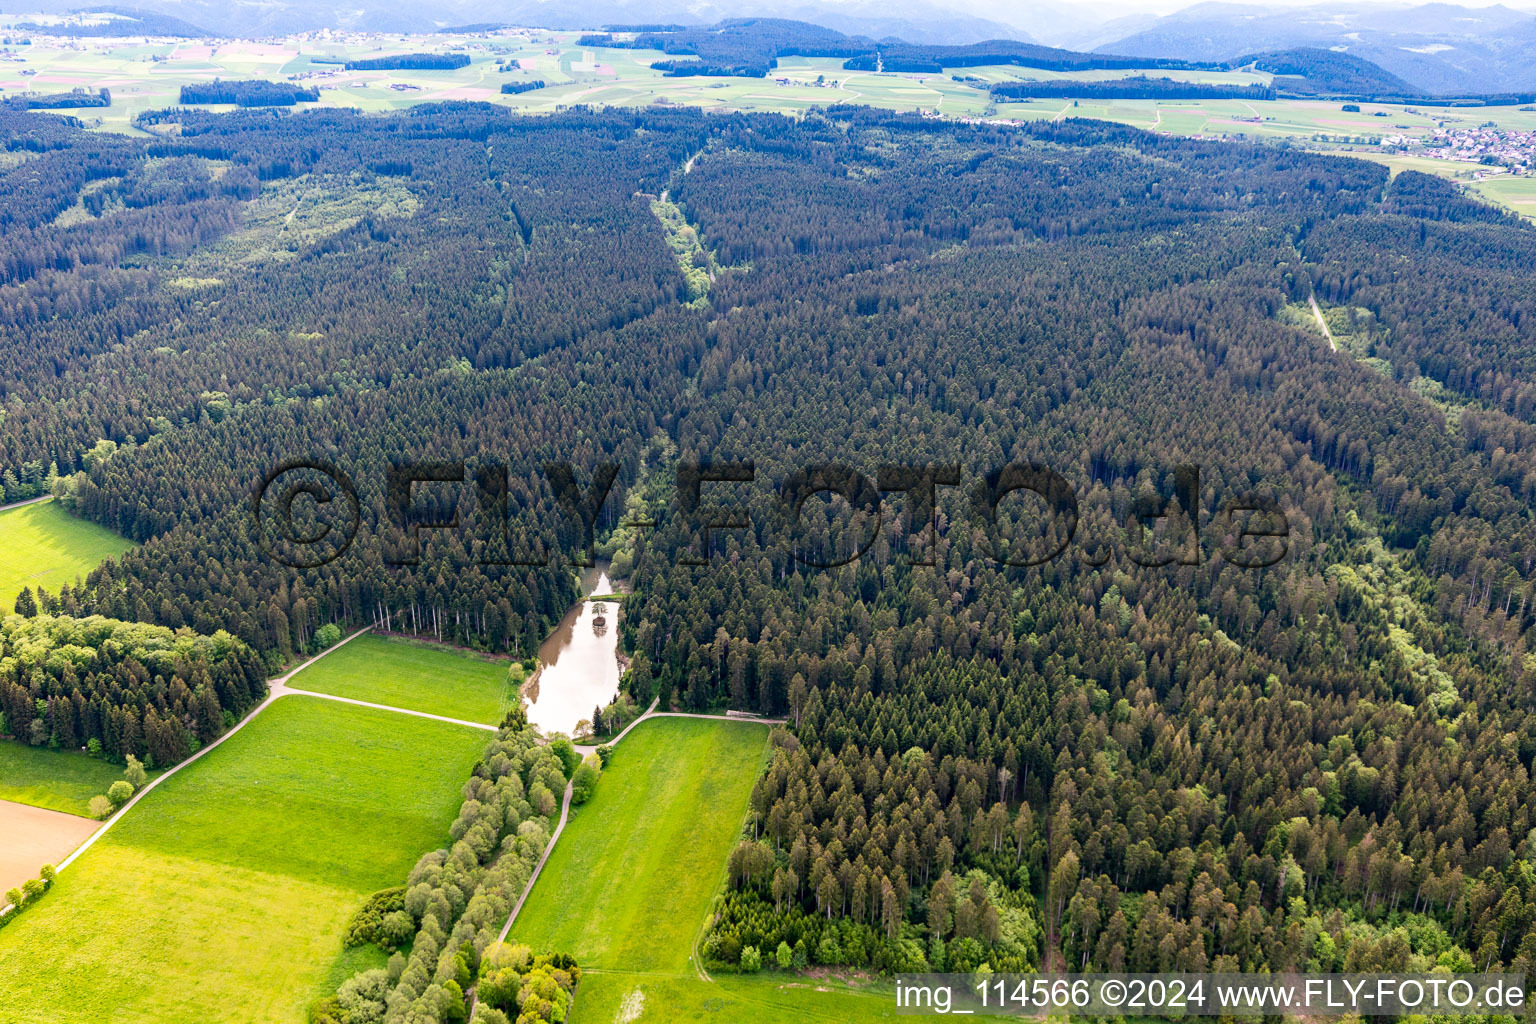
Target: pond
[{"x": 580, "y": 660}]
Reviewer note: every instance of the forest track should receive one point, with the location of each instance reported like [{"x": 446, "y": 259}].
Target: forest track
[
  {"x": 1318, "y": 313},
  {"x": 27, "y": 501},
  {"x": 280, "y": 690}
]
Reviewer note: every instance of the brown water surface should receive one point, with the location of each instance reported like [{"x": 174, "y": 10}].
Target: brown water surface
[{"x": 580, "y": 659}]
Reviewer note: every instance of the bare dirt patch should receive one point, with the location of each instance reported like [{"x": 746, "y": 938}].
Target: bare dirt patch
[{"x": 34, "y": 837}]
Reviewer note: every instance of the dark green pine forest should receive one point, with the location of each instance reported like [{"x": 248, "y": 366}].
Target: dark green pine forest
[{"x": 1141, "y": 754}]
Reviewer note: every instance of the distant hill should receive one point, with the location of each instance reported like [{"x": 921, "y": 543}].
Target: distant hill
[
  {"x": 911, "y": 19},
  {"x": 752, "y": 47},
  {"x": 118, "y": 21},
  {"x": 1326, "y": 71},
  {"x": 1437, "y": 47}
]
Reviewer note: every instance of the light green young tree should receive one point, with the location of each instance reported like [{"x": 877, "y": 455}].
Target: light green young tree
[
  {"x": 584, "y": 782},
  {"x": 135, "y": 773}
]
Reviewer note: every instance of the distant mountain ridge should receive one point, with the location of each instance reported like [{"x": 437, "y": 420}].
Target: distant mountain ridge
[
  {"x": 752, "y": 47},
  {"x": 1437, "y": 47},
  {"x": 1434, "y": 48},
  {"x": 915, "y": 19}
]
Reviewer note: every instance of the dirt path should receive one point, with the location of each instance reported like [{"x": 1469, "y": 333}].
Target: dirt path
[
  {"x": 666, "y": 197},
  {"x": 565, "y": 815},
  {"x": 1322, "y": 323},
  {"x": 718, "y": 718},
  {"x": 29, "y": 501},
  {"x": 280, "y": 690}
]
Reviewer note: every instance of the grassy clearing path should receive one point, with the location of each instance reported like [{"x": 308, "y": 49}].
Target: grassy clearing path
[
  {"x": 565, "y": 802},
  {"x": 1322, "y": 323},
  {"x": 630, "y": 888}
]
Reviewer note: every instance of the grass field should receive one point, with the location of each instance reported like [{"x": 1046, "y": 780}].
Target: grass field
[
  {"x": 632, "y": 877},
  {"x": 43, "y": 545},
  {"x": 1519, "y": 194},
  {"x": 222, "y": 896},
  {"x": 414, "y": 676},
  {"x": 767, "y": 998},
  {"x": 630, "y": 884},
  {"x": 60, "y": 780}
]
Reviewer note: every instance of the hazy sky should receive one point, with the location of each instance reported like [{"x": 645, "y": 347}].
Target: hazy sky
[{"x": 1094, "y": 11}]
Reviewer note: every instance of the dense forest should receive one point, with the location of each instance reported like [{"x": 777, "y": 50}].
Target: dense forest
[
  {"x": 59, "y": 100},
  {"x": 422, "y": 61},
  {"x": 1067, "y": 725},
  {"x": 248, "y": 93},
  {"x": 121, "y": 688}
]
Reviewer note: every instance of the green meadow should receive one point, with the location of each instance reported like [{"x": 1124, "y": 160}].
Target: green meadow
[
  {"x": 413, "y": 676},
  {"x": 630, "y": 884},
  {"x": 43, "y": 545},
  {"x": 632, "y": 877},
  {"x": 767, "y": 998},
  {"x": 223, "y": 895},
  {"x": 1519, "y": 194},
  {"x": 60, "y": 780}
]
